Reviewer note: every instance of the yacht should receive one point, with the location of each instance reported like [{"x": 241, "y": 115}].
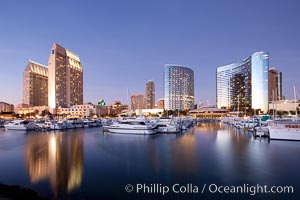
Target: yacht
[
  {"x": 60, "y": 125},
  {"x": 167, "y": 125},
  {"x": 131, "y": 126},
  {"x": 20, "y": 124},
  {"x": 79, "y": 123},
  {"x": 284, "y": 130}
]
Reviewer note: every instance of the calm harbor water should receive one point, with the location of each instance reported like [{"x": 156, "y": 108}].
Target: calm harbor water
[{"x": 90, "y": 164}]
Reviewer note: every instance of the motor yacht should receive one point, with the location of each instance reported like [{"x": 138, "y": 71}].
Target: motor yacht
[{"x": 131, "y": 126}]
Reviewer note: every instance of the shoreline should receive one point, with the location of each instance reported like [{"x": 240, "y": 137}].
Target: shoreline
[{"x": 18, "y": 192}]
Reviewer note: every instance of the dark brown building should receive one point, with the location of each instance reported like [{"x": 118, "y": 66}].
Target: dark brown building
[{"x": 275, "y": 85}]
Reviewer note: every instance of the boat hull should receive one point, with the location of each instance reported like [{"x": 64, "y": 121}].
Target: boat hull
[
  {"x": 284, "y": 133},
  {"x": 131, "y": 131},
  {"x": 167, "y": 130},
  {"x": 16, "y": 128}
]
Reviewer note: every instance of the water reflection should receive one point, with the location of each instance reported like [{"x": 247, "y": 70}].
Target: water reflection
[
  {"x": 57, "y": 157},
  {"x": 207, "y": 153}
]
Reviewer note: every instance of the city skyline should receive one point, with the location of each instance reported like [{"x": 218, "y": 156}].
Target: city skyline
[{"x": 114, "y": 48}]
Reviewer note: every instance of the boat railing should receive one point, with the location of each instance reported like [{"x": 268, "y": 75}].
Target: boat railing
[{"x": 285, "y": 124}]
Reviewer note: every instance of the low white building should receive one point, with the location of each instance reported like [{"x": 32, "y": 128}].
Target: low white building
[
  {"x": 284, "y": 105},
  {"x": 84, "y": 110},
  {"x": 208, "y": 112},
  {"x": 147, "y": 112}
]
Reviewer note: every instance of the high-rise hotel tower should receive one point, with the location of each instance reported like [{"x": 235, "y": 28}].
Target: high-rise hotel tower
[
  {"x": 244, "y": 85},
  {"x": 178, "y": 87},
  {"x": 137, "y": 101},
  {"x": 65, "y": 81},
  {"x": 150, "y": 95},
  {"x": 275, "y": 85},
  {"x": 35, "y": 84}
]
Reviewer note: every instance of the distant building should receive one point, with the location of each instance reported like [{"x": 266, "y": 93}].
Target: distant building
[
  {"x": 150, "y": 95},
  {"x": 137, "y": 101},
  {"x": 25, "y": 109},
  {"x": 178, "y": 87},
  {"x": 6, "y": 107},
  {"x": 84, "y": 110},
  {"x": 65, "y": 81},
  {"x": 208, "y": 112},
  {"x": 161, "y": 103},
  {"x": 116, "y": 108},
  {"x": 35, "y": 84},
  {"x": 244, "y": 85},
  {"x": 149, "y": 112},
  {"x": 275, "y": 85},
  {"x": 200, "y": 105},
  {"x": 285, "y": 105}
]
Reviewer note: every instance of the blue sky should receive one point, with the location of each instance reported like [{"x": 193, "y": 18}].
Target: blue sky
[{"x": 123, "y": 44}]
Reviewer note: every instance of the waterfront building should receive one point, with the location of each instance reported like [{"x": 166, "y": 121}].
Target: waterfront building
[
  {"x": 116, "y": 108},
  {"x": 84, "y": 110},
  {"x": 6, "y": 107},
  {"x": 178, "y": 87},
  {"x": 285, "y": 106},
  {"x": 244, "y": 85},
  {"x": 150, "y": 95},
  {"x": 137, "y": 101},
  {"x": 35, "y": 84},
  {"x": 30, "y": 111},
  {"x": 275, "y": 85},
  {"x": 149, "y": 112},
  {"x": 161, "y": 103},
  {"x": 208, "y": 112},
  {"x": 65, "y": 81}
]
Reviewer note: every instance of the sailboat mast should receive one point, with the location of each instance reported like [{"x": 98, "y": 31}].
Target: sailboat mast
[
  {"x": 273, "y": 104},
  {"x": 295, "y": 100},
  {"x": 238, "y": 105},
  {"x": 129, "y": 106}
]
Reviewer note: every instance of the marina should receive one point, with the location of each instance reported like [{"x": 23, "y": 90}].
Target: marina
[
  {"x": 89, "y": 163},
  {"x": 150, "y": 100}
]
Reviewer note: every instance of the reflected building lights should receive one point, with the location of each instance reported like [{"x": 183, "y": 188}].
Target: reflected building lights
[{"x": 58, "y": 158}]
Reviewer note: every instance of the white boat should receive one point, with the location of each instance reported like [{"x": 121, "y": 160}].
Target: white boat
[
  {"x": 167, "y": 125},
  {"x": 131, "y": 126},
  {"x": 79, "y": 123},
  {"x": 284, "y": 130},
  {"x": 20, "y": 124},
  {"x": 60, "y": 125},
  {"x": 70, "y": 124}
]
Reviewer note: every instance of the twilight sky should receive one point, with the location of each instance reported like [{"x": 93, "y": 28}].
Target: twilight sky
[{"x": 124, "y": 43}]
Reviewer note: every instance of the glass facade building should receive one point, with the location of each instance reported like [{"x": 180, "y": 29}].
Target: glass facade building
[
  {"x": 244, "y": 85},
  {"x": 35, "y": 84},
  {"x": 65, "y": 81},
  {"x": 178, "y": 87}
]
